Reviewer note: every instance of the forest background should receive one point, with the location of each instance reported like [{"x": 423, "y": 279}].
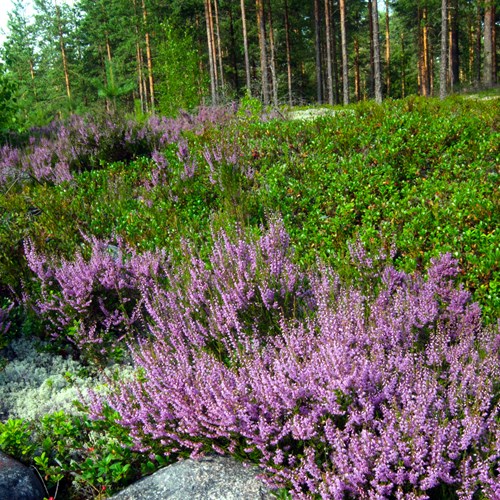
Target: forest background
[{"x": 139, "y": 56}]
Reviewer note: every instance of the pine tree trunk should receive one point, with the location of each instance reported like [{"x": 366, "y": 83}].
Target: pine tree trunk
[
  {"x": 372, "y": 53},
  {"x": 245, "y": 47},
  {"x": 211, "y": 62},
  {"x": 387, "y": 51},
  {"x": 329, "y": 72},
  {"x": 403, "y": 66},
  {"x": 110, "y": 77},
  {"x": 288, "y": 55},
  {"x": 489, "y": 26},
  {"x": 274, "y": 78},
  {"x": 454, "y": 52},
  {"x": 471, "y": 45},
  {"x": 140, "y": 78},
  {"x": 63, "y": 53},
  {"x": 149, "y": 58},
  {"x": 477, "y": 50},
  {"x": 212, "y": 45},
  {"x": 376, "y": 54},
  {"x": 420, "y": 58},
  {"x": 219, "y": 51},
  {"x": 345, "y": 62},
  {"x": 335, "y": 66},
  {"x": 444, "y": 49},
  {"x": 234, "y": 61},
  {"x": 317, "y": 44},
  {"x": 261, "y": 26},
  {"x": 430, "y": 60},
  {"x": 494, "y": 44},
  {"x": 32, "y": 74},
  {"x": 424, "y": 73},
  {"x": 141, "y": 84},
  {"x": 357, "y": 74}
]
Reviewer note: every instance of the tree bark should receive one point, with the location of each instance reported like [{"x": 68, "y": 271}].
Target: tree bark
[
  {"x": 234, "y": 61},
  {"x": 219, "y": 51},
  {"x": 489, "y": 26},
  {"x": 149, "y": 58},
  {"x": 245, "y": 46},
  {"x": 288, "y": 55},
  {"x": 335, "y": 66},
  {"x": 372, "y": 54},
  {"x": 376, "y": 54},
  {"x": 387, "y": 51},
  {"x": 143, "y": 91},
  {"x": 263, "y": 51},
  {"x": 317, "y": 45},
  {"x": 444, "y": 49},
  {"x": 109, "y": 71},
  {"x": 211, "y": 62},
  {"x": 357, "y": 75},
  {"x": 424, "y": 73},
  {"x": 32, "y": 74},
  {"x": 140, "y": 78},
  {"x": 328, "y": 34},
  {"x": 403, "y": 66},
  {"x": 345, "y": 62},
  {"x": 212, "y": 44},
  {"x": 63, "y": 52},
  {"x": 453, "y": 49},
  {"x": 477, "y": 51},
  {"x": 274, "y": 77},
  {"x": 494, "y": 33}
]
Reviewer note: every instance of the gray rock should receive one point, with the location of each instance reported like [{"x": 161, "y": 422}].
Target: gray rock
[
  {"x": 18, "y": 482},
  {"x": 210, "y": 478}
]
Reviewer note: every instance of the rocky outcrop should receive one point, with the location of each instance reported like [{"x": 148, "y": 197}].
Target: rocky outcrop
[
  {"x": 210, "y": 478},
  {"x": 18, "y": 482}
]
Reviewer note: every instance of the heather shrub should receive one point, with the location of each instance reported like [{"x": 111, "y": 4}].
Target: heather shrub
[
  {"x": 93, "y": 301},
  {"x": 240, "y": 292},
  {"x": 388, "y": 392},
  {"x": 100, "y": 301},
  {"x": 55, "y": 153}
]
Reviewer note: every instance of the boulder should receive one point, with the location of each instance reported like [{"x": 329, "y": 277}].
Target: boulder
[
  {"x": 18, "y": 482},
  {"x": 210, "y": 478}
]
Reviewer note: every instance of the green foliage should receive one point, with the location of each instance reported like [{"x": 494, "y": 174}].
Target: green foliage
[
  {"x": 80, "y": 458},
  {"x": 250, "y": 107},
  {"x": 15, "y": 439},
  {"x": 112, "y": 89},
  {"x": 8, "y": 104},
  {"x": 182, "y": 85},
  {"x": 415, "y": 173},
  {"x": 283, "y": 494}
]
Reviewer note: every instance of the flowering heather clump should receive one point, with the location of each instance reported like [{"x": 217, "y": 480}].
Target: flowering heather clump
[
  {"x": 98, "y": 298},
  {"x": 223, "y": 160},
  {"x": 389, "y": 395},
  {"x": 57, "y": 151},
  {"x": 187, "y": 160},
  {"x": 9, "y": 158},
  {"x": 243, "y": 290}
]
